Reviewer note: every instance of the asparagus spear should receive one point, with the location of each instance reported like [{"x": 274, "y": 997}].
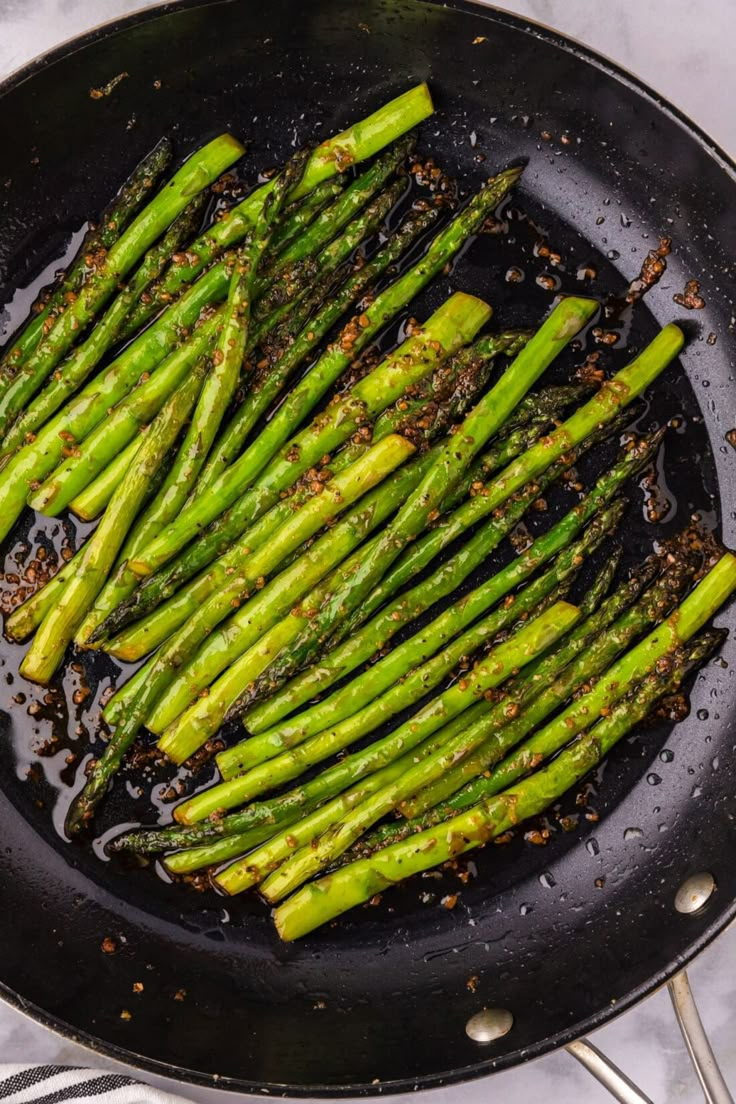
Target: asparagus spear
[
  {"x": 280, "y": 595},
  {"x": 420, "y": 425},
  {"x": 250, "y": 625},
  {"x": 201, "y": 169},
  {"x": 652, "y": 607},
  {"x": 426, "y": 423},
  {"x": 128, "y": 201},
  {"x": 652, "y": 653},
  {"x": 91, "y": 457},
  {"x": 290, "y": 762},
  {"x": 293, "y": 344},
  {"x": 213, "y": 401},
  {"x": 334, "y": 894},
  {"x": 218, "y": 850},
  {"x": 394, "y": 666},
  {"x": 361, "y": 641},
  {"x": 488, "y": 416},
  {"x": 501, "y": 734},
  {"x": 90, "y": 502},
  {"x": 358, "y": 143},
  {"x": 187, "y": 729},
  {"x": 146, "y": 635},
  {"x": 451, "y": 325},
  {"x": 71, "y": 424},
  {"x": 83, "y": 360},
  {"x": 299, "y": 276},
  {"x": 278, "y": 811},
  {"x": 454, "y": 323},
  {"x": 529, "y": 641},
  {"x": 521, "y": 648},
  {"x": 153, "y": 630},
  {"x": 253, "y": 407},
  {"x": 347, "y": 206},
  {"x": 315, "y": 854},
  {"x": 153, "y": 840},
  {"x": 331, "y": 828},
  {"x": 589, "y": 649},
  {"x": 214, "y": 397},
  {"x": 233, "y": 578},
  {"x": 242, "y": 831},
  {"x": 83, "y": 462},
  {"x": 301, "y": 212},
  {"x": 614, "y": 395},
  {"x": 215, "y": 654},
  {"x": 290, "y": 261},
  {"x": 133, "y": 643},
  {"x": 278, "y": 847},
  {"x": 360, "y": 646},
  {"x": 63, "y": 619},
  {"x": 346, "y": 487},
  {"x": 312, "y": 387}
]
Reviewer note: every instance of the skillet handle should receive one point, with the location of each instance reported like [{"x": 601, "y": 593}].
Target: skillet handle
[
  {"x": 609, "y": 1075},
  {"x": 701, "y": 1054},
  {"x": 698, "y": 1046}
]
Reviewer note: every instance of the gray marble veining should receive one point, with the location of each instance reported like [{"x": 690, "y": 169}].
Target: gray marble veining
[{"x": 685, "y": 52}]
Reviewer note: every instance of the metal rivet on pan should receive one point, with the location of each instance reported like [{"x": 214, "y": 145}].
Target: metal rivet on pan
[
  {"x": 694, "y": 892},
  {"x": 489, "y": 1024}
]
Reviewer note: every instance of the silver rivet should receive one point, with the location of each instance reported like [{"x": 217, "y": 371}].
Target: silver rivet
[
  {"x": 694, "y": 892},
  {"x": 489, "y": 1024}
]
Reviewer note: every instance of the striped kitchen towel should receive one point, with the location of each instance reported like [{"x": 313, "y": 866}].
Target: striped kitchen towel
[{"x": 67, "y": 1084}]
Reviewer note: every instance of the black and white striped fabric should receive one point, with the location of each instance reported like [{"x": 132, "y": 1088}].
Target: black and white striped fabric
[{"x": 68, "y": 1084}]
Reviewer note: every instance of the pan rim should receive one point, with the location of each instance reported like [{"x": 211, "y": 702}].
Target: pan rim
[{"x": 490, "y": 1065}]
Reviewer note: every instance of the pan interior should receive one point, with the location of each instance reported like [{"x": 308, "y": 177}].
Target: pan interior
[{"x": 562, "y": 934}]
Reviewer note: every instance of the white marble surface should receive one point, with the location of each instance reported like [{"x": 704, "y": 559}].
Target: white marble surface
[{"x": 686, "y": 52}]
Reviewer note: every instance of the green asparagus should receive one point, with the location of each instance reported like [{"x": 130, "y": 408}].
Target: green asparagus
[
  {"x": 129, "y": 200},
  {"x": 348, "y": 700},
  {"x": 358, "y": 143},
  {"x": 353, "y": 338},
  {"x": 614, "y": 395},
  {"x": 291, "y": 757},
  {"x": 65, "y": 616},
  {"x": 201, "y": 169},
  {"x": 334, "y": 894}
]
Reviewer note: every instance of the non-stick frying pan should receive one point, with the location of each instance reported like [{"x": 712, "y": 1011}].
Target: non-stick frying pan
[{"x": 563, "y": 936}]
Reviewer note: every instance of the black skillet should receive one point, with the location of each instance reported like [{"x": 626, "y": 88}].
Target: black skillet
[{"x": 564, "y": 936}]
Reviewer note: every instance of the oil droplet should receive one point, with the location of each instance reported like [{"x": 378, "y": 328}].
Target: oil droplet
[
  {"x": 702, "y": 714},
  {"x": 715, "y": 763},
  {"x": 591, "y": 846},
  {"x": 653, "y": 779},
  {"x": 632, "y": 833},
  {"x": 514, "y": 275},
  {"x": 666, "y": 755},
  {"x": 524, "y": 910},
  {"x": 613, "y": 254},
  {"x": 546, "y": 880},
  {"x": 625, "y": 221},
  {"x": 696, "y": 791}
]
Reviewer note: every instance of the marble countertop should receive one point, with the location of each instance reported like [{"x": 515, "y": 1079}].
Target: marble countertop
[{"x": 684, "y": 52}]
